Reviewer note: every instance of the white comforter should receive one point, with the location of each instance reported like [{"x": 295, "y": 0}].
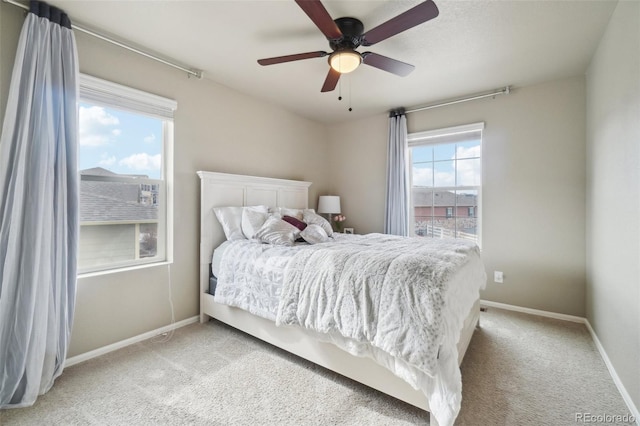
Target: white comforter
[{"x": 386, "y": 297}]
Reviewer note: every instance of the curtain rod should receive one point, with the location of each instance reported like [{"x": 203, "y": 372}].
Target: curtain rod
[
  {"x": 504, "y": 91},
  {"x": 195, "y": 73}
]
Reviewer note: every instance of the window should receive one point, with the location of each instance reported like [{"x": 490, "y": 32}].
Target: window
[
  {"x": 125, "y": 158},
  {"x": 446, "y": 182}
]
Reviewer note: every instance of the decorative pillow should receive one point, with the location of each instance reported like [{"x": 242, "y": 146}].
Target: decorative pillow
[
  {"x": 314, "y": 234},
  {"x": 295, "y": 222},
  {"x": 284, "y": 211},
  {"x": 231, "y": 220},
  {"x": 311, "y": 218},
  {"x": 252, "y": 220},
  {"x": 277, "y": 231}
]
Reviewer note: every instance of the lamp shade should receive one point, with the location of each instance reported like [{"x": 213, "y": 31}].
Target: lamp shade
[
  {"x": 329, "y": 204},
  {"x": 345, "y": 61}
]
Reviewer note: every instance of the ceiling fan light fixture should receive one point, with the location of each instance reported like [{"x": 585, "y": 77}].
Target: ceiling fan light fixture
[{"x": 345, "y": 61}]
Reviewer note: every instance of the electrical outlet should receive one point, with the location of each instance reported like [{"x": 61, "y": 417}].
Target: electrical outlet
[{"x": 498, "y": 277}]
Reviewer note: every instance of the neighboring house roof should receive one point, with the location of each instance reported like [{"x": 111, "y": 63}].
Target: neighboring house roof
[
  {"x": 104, "y": 201},
  {"x": 99, "y": 208},
  {"x": 116, "y": 190},
  {"x": 427, "y": 197},
  {"x": 99, "y": 171}
]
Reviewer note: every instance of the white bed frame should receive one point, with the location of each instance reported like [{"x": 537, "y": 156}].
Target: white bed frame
[{"x": 219, "y": 190}]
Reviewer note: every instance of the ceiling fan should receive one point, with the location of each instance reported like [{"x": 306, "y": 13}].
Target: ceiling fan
[{"x": 345, "y": 35}]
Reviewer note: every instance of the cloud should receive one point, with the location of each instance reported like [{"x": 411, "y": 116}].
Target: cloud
[
  {"x": 422, "y": 176},
  {"x": 468, "y": 170},
  {"x": 97, "y": 126},
  {"x": 468, "y": 152},
  {"x": 106, "y": 160},
  {"x": 150, "y": 139},
  {"x": 142, "y": 161},
  {"x": 445, "y": 178}
]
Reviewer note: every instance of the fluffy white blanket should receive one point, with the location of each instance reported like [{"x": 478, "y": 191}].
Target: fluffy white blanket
[
  {"x": 384, "y": 290},
  {"x": 386, "y": 297}
]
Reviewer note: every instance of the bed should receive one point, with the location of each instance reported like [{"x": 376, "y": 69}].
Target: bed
[{"x": 220, "y": 190}]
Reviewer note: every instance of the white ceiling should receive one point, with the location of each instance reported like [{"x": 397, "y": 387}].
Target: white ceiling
[{"x": 471, "y": 47}]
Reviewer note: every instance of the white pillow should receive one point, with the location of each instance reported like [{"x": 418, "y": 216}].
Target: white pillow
[
  {"x": 252, "y": 220},
  {"x": 284, "y": 211},
  {"x": 277, "y": 231},
  {"x": 311, "y": 218},
  {"x": 231, "y": 220},
  {"x": 314, "y": 234}
]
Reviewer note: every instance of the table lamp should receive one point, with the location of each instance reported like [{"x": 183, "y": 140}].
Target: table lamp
[{"x": 329, "y": 204}]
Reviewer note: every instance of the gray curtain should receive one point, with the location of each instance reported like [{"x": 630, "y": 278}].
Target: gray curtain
[
  {"x": 396, "y": 219},
  {"x": 38, "y": 208}
]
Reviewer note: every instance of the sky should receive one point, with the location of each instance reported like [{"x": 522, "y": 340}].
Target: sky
[
  {"x": 447, "y": 165},
  {"x": 129, "y": 143},
  {"x": 120, "y": 141}
]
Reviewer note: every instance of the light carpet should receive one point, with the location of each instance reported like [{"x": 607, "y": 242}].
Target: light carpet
[{"x": 519, "y": 370}]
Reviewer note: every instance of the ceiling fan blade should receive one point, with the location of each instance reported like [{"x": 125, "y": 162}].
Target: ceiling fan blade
[
  {"x": 289, "y": 58},
  {"x": 319, "y": 15},
  {"x": 387, "y": 64},
  {"x": 331, "y": 81},
  {"x": 409, "y": 19}
]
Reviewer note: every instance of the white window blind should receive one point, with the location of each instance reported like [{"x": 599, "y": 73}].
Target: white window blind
[{"x": 98, "y": 91}]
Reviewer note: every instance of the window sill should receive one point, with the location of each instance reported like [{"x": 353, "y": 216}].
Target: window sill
[{"x": 123, "y": 269}]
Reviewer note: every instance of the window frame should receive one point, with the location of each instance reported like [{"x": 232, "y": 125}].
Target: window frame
[
  {"x": 439, "y": 137},
  {"x": 96, "y": 91}
]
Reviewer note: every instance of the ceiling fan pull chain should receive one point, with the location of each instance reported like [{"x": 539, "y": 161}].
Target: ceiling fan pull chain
[
  {"x": 349, "y": 83},
  {"x": 339, "y": 90}
]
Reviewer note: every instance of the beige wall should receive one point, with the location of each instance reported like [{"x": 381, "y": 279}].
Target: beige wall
[
  {"x": 358, "y": 152},
  {"x": 533, "y": 187},
  {"x": 613, "y": 194},
  {"x": 216, "y": 129}
]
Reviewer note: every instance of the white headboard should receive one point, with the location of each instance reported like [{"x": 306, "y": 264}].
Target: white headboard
[{"x": 222, "y": 190}]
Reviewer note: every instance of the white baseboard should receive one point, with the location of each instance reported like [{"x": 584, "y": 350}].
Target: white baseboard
[
  {"x": 123, "y": 343},
  {"x": 614, "y": 375},
  {"x": 531, "y": 311},
  {"x": 633, "y": 410}
]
